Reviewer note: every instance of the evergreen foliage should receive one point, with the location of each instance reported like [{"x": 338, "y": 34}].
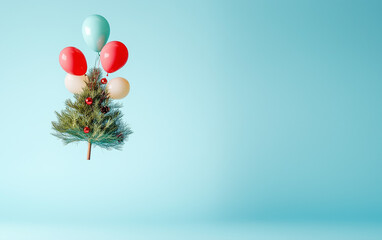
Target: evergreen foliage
[{"x": 107, "y": 130}]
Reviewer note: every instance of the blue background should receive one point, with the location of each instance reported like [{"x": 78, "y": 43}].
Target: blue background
[{"x": 244, "y": 113}]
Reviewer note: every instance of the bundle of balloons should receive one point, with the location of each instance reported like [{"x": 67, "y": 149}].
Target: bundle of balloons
[{"x": 113, "y": 56}]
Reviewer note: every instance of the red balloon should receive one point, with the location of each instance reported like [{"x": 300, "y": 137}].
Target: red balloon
[
  {"x": 113, "y": 56},
  {"x": 73, "y": 61}
]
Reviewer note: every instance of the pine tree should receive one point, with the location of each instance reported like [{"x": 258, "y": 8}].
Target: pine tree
[{"x": 98, "y": 123}]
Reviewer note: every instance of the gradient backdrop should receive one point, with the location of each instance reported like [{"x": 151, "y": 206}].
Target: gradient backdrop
[{"x": 243, "y": 112}]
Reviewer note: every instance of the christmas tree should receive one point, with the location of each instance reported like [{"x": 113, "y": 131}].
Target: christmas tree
[{"x": 93, "y": 117}]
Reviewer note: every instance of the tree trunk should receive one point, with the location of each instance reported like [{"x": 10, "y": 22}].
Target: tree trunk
[{"x": 89, "y": 149}]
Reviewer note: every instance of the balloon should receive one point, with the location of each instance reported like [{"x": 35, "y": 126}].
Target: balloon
[
  {"x": 74, "y": 83},
  {"x": 95, "y": 31},
  {"x": 73, "y": 61},
  {"x": 113, "y": 56},
  {"x": 118, "y": 88}
]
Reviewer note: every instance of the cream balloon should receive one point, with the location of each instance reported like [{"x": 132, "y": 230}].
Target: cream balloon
[
  {"x": 118, "y": 88},
  {"x": 74, "y": 83}
]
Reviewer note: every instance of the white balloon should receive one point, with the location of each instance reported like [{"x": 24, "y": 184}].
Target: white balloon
[
  {"x": 118, "y": 88},
  {"x": 74, "y": 83}
]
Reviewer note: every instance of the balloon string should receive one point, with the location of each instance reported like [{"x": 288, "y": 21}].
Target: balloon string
[
  {"x": 95, "y": 62},
  {"x": 98, "y": 58}
]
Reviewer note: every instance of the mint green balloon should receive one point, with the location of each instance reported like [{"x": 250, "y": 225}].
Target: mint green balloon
[{"x": 96, "y": 31}]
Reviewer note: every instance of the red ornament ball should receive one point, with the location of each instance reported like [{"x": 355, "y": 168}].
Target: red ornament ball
[
  {"x": 86, "y": 129},
  {"x": 89, "y": 101},
  {"x": 103, "y": 80}
]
